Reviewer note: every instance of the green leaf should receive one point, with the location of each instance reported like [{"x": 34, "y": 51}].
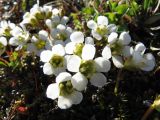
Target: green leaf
[
  {"x": 88, "y": 11},
  {"x": 147, "y": 4},
  {"x": 112, "y": 5},
  {"x": 2, "y": 63},
  {"x": 111, "y": 16},
  {"x": 121, "y": 9}
]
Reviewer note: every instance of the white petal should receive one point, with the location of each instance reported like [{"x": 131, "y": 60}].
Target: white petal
[
  {"x": 3, "y": 40},
  {"x": 56, "y": 19},
  {"x": 88, "y": 52},
  {"x": 98, "y": 80},
  {"x": 89, "y": 40},
  {"x": 112, "y": 38},
  {"x": 59, "y": 70},
  {"x": 77, "y": 37},
  {"x": 149, "y": 63},
  {"x": 64, "y": 102},
  {"x": 140, "y": 48},
  {"x": 58, "y": 50},
  {"x": 137, "y": 58},
  {"x": 124, "y": 38},
  {"x": 117, "y": 61},
  {"x": 74, "y": 63},
  {"x": 79, "y": 81},
  {"x": 61, "y": 27},
  {"x": 43, "y": 35},
  {"x": 102, "y": 20},
  {"x": 48, "y": 69},
  {"x": 62, "y": 77},
  {"x": 76, "y": 97},
  {"x": 52, "y": 91},
  {"x": 13, "y": 41},
  {"x": 102, "y": 64},
  {"x": 127, "y": 51},
  {"x": 92, "y": 24},
  {"x": 64, "y": 20},
  {"x": 55, "y": 11},
  {"x": 112, "y": 28},
  {"x": 69, "y": 48},
  {"x": 46, "y": 55},
  {"x": 96, "y": 35},
  {"x": 49, "y": 23},
  {"x": 106, "y": 53}
]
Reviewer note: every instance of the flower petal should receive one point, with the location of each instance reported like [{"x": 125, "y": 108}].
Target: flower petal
[
  {"x": 3, "y": 40},
  {"x": 149, "y": 63},
  {"x": 112, "y": 38},
  {"x": 127, "y": 51},
  {"x": 48, "y": 69},
  {"x": 96, "y": 35},
  {"x": 112, "y": 28},
  {"x": 77, "y": 37},
  {"x": 69, "y": 48},
  {"x": 46, "y": 55},
  {"x": 88, "y": 52},
  {"x": 79, "y": 81},
  {"x": 92, "y": 24},
  {"x": 76, "y": 97},
  {"x": 117, "y": 61},
  {"x": 102, "y": 64},
  {"x": 102, "y": 20},
  {"x": 98, "y": 80},
  {"x": 59, "y": 70},
  {"x": 61, "y": 27},
  {"x": 89, "y": 40},
  {"x": 73, "y": 63},
  {"x": 64, "y": 20},
  {"x": 53, "y": 91},
  {"x": 140, "y": 48},
  {"x": 106, "y": 53},
  {"x": 62, "y": 77},
  {"x": 64, "y": 102},
  {"x": 43, "y": 35},
  {"x": 124, "y": 38},
  {"x": 58, "y": 50}
]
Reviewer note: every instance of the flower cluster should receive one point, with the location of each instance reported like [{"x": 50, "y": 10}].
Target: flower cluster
[{"x": 75, "y": 59}]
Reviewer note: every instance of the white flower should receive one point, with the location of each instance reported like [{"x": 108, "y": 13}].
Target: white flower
[
  {"x": 54, "y": 60},
  {"x": 61, "y": 34},
  {"x": 56, "y": 20},
  {"x": 28, "y": 18},
  {"x": 77, "y": 43},
  {"x": 6, "y": 27},
  {"x": 118, "y": 48},
  {"x": 39, "y": 43},
  {"x": 101, "y": 28},
  {"x": 3, "y": 44},
  {"x": 20, "y": 37},
  {"x": 90, "y": 68},
  {"x": 139, "y": 60},
  {"x": 67, "y": 89}
]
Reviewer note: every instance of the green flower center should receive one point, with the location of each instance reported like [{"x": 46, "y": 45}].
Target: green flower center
[
  {"x": 57, "y": 61},
  {"x": 78, "y": 49},
  {"x": 7, "y": 31},
  {"x": 1, "y": 46},
  {"x": 102, "y": 30},
  {"x": 87, "y": 68},
  {"x": 61, "y": 36},
  {"x": 40, "y": 44},
  {"x": 66, "y": 88},
  {"x": 116, "y": 48}
]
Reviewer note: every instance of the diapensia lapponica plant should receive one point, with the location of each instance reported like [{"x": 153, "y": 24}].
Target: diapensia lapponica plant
[{"x": 74, "y": 58}]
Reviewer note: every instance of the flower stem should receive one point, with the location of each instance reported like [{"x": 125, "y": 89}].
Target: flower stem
[
  {"x": 117, "y": 82},
  {"x": 147, "y": 113}
]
